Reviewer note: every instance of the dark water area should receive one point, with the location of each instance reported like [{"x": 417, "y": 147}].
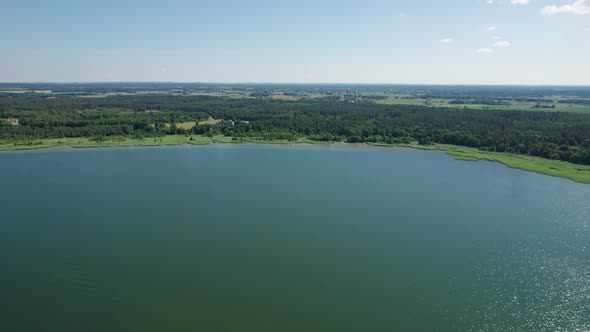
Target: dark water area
[{"x": 288, "y": 238}]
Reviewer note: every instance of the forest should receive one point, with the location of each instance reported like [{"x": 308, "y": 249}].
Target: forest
[{"x": 553, "y": 135}]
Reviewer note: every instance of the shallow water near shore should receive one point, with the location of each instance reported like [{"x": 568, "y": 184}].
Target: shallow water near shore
[{"x": 288, "y": 238}]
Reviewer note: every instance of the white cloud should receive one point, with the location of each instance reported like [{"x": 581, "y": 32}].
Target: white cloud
[
  {"x": 497, "y": 38},
  {"x": 485, "y": 50},
  {"x": 521, "y": 2},
  {"x": 579, "y": 7},
  {"x": 447, "y": 40},
  {"x": 163, "y": 69},
  {"x": 502, "y": 43},
  {"x": 492, "y": 28}
]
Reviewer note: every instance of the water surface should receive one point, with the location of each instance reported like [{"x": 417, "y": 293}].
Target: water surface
[{"x": 288, "y": 238}]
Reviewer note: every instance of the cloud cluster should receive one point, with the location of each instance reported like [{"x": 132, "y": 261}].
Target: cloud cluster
[
  {"x": 502, "y": 44},
  {"x": 579, "y": 7},
  {"x": 485, "y": 50},
  {"x": 521, "y": 2},
  {"x": 490, "y": 50},
  {"x": 447, "y": 40}
]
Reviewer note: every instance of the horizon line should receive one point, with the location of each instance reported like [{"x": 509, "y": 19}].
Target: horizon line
[{"x": 297, "y": 83}]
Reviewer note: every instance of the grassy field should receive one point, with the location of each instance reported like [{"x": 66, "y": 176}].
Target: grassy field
[
  {"x": 578, "y": 173},
  {"x": 398, "y": 99},
  {"x": 281, "y": 96},
  {"x": 558, "y": 168},
  {"x": 128, "y": 142},
  {"x": 190, "y": 125},
  {"x": 111, "y": 142},
  {"x": 183, "y": 125},
  {"x": 210, "y": 122}
]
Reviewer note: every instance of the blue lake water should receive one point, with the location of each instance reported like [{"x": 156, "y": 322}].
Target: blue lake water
[{"x": 287, "y": 238}]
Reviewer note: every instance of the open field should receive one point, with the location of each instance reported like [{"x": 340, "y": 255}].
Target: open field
[
  {"x": 186, "y": 125},
  {"x": 226, "y": 94},
  {"x": 183, "y": 125},
  {"x": 514, "y": 106},
  {"x": 128, "y": 142},
  {"x": 404, "y": 99},
  {"x": 558, "y": 168},
  {"x": 575, "y": 172},
  {"x": 191, "y": 124},
  {"x": 210, "y": 122},
  {"x": 110, "y": 142},
  {"x": 281, "y": 96},
  {"x": 290, "y": 94}
]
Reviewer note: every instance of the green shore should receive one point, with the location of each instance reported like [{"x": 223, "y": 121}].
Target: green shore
[{"x": 578, "y": 173}]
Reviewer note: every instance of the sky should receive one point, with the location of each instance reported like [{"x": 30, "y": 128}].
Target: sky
[{"x": 544, "y": 42}]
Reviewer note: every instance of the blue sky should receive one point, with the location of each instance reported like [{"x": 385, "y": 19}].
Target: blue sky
[{"x": 306, "y": 41}]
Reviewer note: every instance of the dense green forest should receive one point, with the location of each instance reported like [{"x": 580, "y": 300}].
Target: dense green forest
[{"x": 553, "y": 135}]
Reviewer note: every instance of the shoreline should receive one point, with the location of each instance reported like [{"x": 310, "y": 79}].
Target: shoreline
[{"x": 556, "y": 168}]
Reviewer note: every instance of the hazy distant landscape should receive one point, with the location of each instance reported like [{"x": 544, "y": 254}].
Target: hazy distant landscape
[{"x": 544, "y": 129}]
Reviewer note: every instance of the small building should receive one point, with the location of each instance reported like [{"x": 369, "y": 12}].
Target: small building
[
  {"x": 12, "y": 121},
  {"x": 228, "y": 123},
  {"x": 231, "y": 123}
]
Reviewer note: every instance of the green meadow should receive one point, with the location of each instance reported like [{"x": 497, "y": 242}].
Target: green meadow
[
  {"x": 558, "y": 168},
  {"x": 401, "y": 99}
]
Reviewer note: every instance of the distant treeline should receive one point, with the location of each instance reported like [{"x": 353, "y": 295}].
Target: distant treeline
[
  {"x": 442, "y": 91},
  {"x": 585, "y": 102},
  {"x": 554, "y": 135},
  {"x": 498, "y": 101},
  {"x": 494, "y": 102}
]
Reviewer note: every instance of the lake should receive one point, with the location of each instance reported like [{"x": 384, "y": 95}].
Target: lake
[{"x": 287, "y": 238}]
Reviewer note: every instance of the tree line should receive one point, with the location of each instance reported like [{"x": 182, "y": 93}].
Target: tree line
[{"x": 553, "y": 135}]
